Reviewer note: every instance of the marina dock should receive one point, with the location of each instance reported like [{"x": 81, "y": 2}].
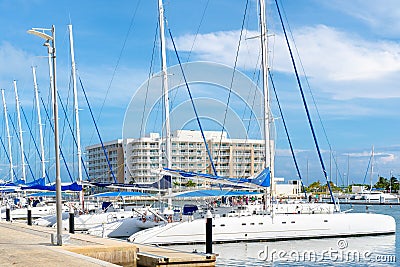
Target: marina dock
[{"x": 23, "y": 245}]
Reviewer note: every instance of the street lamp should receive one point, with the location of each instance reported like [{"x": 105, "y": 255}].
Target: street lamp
[{"x": 40, "y": 32}]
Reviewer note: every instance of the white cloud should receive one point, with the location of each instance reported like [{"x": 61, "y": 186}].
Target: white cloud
[
  {"x": 338, "y": 63},
  {"x": 96, "y": 82},
  {"x": 14, "y": 63},
  {"x": 339, "y": 56},
  {"x": 383, "y": 16},
  {"x": 221, "y": 47}
]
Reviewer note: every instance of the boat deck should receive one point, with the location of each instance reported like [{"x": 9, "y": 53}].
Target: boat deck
[{"x": 23, "y": 245}]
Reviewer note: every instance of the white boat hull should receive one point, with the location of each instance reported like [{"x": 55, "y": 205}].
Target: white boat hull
[
  {"x": 265, "y": 227},
  {"x": 50, "y": 220},
  {"x": 123, "y": 228},
  {"x": 85, "y": 222},
  {"x": 36, "y": 212}
]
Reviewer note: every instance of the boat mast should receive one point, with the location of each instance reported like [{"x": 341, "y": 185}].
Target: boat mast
[
  {"x": 372, "y": 169},
  {"x": 8, "y": 135},
  {"x": 76, "y": 108},
  {"x": 268, "y": 159},
  {"x": 165, "y": 94},
  {"x": 39, "y": 122},
  {"x": 21, "y": 139}
]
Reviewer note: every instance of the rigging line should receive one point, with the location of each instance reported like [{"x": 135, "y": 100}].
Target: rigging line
[
  {"x": 25, "y": 157},
  {"x": 70, "y": 129},
  {"x": 31, "y": 123},
  {"x": 252, "y": 104},
  {"x": 59, "y": 147},
  {"x": 366, "y": 172},
  {"x": 65, "y": 113},
  {"x": 117, "y": 64},
  {"x": 306, "y": 108},
  {"x": 191, "y": 48},
  {"x": 8, "y": 157},
  {"x": 148, "y": 82},
  {"x": 98, "y": 133},
  {"x": 67, "y": 120},
  {"x": 193, "y": 105},
  {"x": 33, "y": 138},
  {"x": 198, "y": 30},
  {"x": 312, "y": 97},
  {"x": 232, "y": 79},
  {"x": 287, "y": 134},
  {"x": 255, "y": 73},
  {"x": 47, "y": 131}
]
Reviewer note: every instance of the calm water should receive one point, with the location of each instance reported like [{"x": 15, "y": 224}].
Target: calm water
[{"x": 354, "y": 251}]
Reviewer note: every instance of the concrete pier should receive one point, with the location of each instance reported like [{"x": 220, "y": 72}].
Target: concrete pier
[{"x": 23, "y": 245}]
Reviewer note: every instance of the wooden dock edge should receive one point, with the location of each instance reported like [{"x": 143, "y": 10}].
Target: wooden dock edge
[
  {"x": 120, "y": 255},
  {"x": 147, "y": 259},
  {"x": 146, "y": 256}
]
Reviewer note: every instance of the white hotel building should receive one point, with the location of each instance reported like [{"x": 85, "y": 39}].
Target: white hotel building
[{"x": 142, "y": 156}]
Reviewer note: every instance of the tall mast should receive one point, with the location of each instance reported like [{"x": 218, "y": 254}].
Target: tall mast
[
  {"x": 76, "y": 108},
  {"x": 165, "y": 94},
  {"x": 268, "y": 157},
  {"x": 8, "y": 135},
  {"x": 39, "y": 122},
  {"x": 21, "y": 139}
]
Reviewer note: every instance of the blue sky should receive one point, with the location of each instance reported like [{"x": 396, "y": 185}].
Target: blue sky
[{"x": 349, "y": 51}]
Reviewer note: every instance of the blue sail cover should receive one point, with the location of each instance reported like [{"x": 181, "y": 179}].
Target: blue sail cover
[
  {"x": 38, "y": 182},
  {"x": 16, "y": 183},
  {"x": 262, "y": 180},
  {"x": 40, "y": 185}
]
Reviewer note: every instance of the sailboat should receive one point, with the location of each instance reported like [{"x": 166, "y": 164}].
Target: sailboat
[
  {"x": 268, "y": 225},
  {"x": 127, "y": 225},
  {"x": 371, "y": 195}
]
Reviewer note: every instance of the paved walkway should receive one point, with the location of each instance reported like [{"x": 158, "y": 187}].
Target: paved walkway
[{"x": 22, "y": 245}]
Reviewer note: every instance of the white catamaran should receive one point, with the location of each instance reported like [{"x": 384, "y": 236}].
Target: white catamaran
[{"x": 268, "y": 225}]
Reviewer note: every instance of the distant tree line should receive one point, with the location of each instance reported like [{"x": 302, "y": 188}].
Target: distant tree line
[{"x": 383, "y": 184}]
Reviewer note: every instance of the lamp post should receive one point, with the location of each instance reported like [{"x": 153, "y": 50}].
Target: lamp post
[{"x": 40, "y": 32}]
